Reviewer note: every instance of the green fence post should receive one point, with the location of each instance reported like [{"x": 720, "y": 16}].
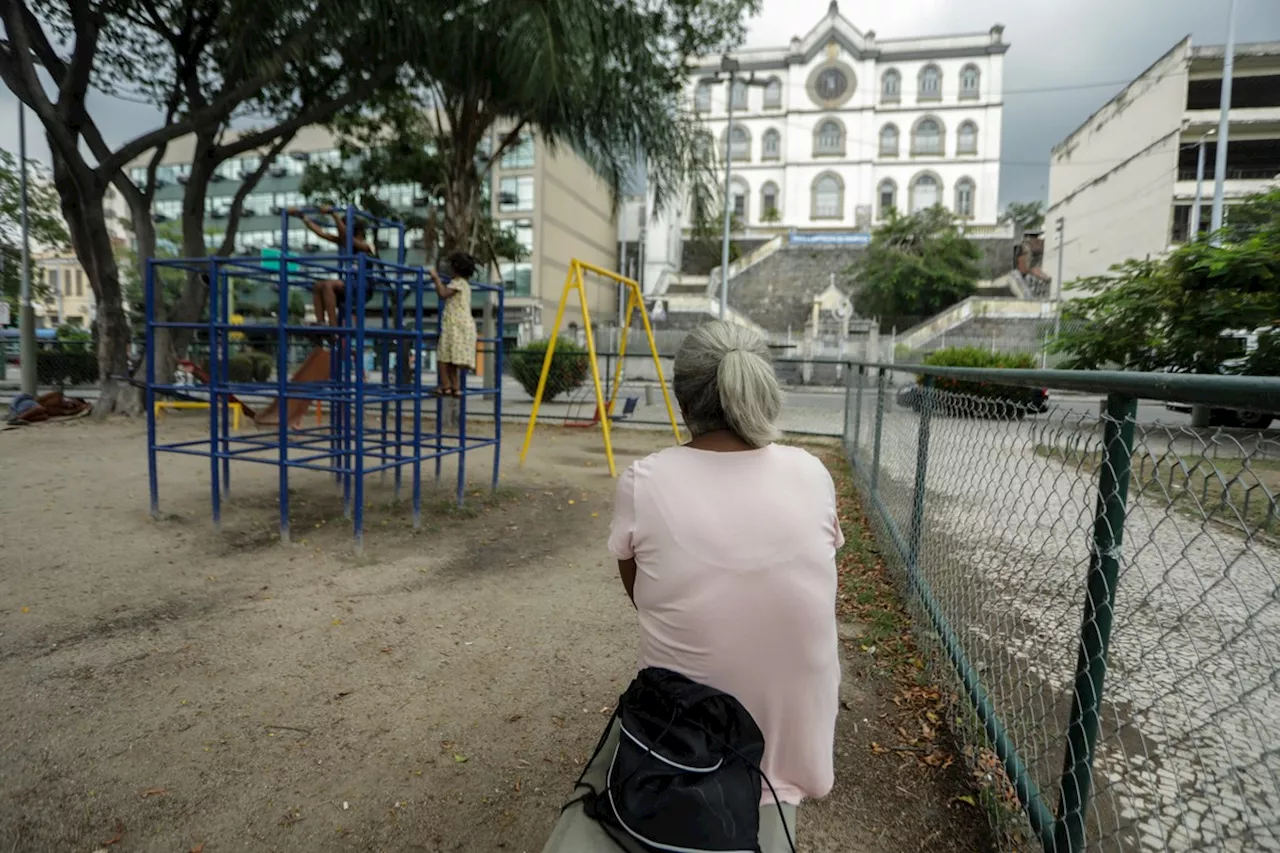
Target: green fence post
[
  {"x": 1095, "y": 628},
  {"x": 881, "y": 387},
  {"x": 857, "y": 409},
  {"x": 848, "y": 398},
  {"x": 922, "y": 468}
]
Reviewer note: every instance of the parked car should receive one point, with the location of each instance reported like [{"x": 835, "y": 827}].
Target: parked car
[
  {"x": 910, "y": 396},
  {"x": 1246, "y": 343}
]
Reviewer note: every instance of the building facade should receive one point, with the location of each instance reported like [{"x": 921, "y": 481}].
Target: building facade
[
  {"x": 68, "y": 296},
  {"x": 1123, "y": 184},
  {"x": 839, "y": 127},
  {"x": 555, "y": 205}
]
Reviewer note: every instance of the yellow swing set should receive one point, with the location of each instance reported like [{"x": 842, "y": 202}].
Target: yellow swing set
[{"x": 574, "y": 281}]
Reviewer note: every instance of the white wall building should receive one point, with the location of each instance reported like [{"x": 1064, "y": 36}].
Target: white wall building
[
  {"x": 839, "y": 126},
  {"x": 1123, "y": 183}
]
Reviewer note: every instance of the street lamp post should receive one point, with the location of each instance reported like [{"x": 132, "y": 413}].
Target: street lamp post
[
  {"x": 1224, "y": 122},
  {"x": 728, "y": 65},
  {"x": 26, "y": 310}
]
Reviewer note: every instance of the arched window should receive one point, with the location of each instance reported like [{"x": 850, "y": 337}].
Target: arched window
[
  {"x": 891, "y": 86},
  {"x": 887, "y": 196},
  {"x": 967, "y": 138},
  {"x": 771, "y": 145},
  {"x": 741, "y": 147},
  {"x": 739, "y": 192},
  {"x": 828, "y": 139},
  {"x": 706, "y": 145},
  {"x": 964, "y": 198},
  {"x": 773, "y": 94},
  {"x": 926, "y": 191},
  {"x": 889, "y": 140},
  {"x": 769, "y": 209},
  {"x": 702, "y": 97},
  {"x": 926, "y": 139},
  {"x": 970, "y": 79},
  {"x": 930, "y": 83},
  {"x": 827, "y": 197},
  {"x": 739, "y": 95}
]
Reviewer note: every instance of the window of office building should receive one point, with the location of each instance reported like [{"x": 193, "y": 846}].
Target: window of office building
[
  {"x": 519, "y": 155},
  {"x": 515, "y": 194}
]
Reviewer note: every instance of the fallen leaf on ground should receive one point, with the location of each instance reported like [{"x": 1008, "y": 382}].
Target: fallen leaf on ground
[
  {"x": 115, "y": 839},
  {"x": 514, "y": 718},
  {"x": 966, "y": 798},
  {"x": 199, "y": 848},
  {"x": 877, "y": 748},
  {"x": 461, "y": 759},
  {"x": 154, "y": 792},
  {"x": 386, "y": 650}
]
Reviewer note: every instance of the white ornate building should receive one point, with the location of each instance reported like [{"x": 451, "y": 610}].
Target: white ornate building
[{"x": 839, "y": 126}]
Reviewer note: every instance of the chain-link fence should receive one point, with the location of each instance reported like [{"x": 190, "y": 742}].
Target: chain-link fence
[
  {"x": 59, "y": 363},
  {"x": 1105, "y": 592}
]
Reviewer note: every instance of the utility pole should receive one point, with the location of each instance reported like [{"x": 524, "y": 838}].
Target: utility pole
[
  {"x": 729, "y": 65},
  {"x": 26, "y": 310},
  {"x": 1224, "y": 122},
  {"x": 622, "y": 269},
  {"x": 1060, "y": 226}
]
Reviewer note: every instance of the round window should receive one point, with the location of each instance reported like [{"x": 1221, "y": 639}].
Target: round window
[{"x": 832, "y": 84}]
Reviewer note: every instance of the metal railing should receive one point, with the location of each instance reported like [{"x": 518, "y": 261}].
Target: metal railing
[{"x": 1102, "y": 588}]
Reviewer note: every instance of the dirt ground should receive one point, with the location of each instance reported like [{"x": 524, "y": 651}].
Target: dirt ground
[{"x": 169, "y": 688}]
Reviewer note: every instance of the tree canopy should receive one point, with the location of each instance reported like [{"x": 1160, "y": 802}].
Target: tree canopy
[
  {"x": 1025, "y": 216},
  {"x": 914, "y": 267},
  {"x": 1174, "y": 313}
]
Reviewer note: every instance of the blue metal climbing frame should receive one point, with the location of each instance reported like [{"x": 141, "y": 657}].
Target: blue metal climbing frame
[{"x": 345, "y": 445}]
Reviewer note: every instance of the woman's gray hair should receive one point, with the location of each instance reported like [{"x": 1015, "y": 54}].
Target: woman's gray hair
[{"x": 723, "y": 380}]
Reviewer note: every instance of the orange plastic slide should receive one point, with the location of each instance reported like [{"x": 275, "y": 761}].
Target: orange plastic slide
[{"x": 315, "y": 368}]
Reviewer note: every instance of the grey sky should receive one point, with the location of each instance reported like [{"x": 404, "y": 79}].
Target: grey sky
[{"x": 1053, "y": 44}]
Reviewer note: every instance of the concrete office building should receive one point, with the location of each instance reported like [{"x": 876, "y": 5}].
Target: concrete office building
[
  {"x": 1123, "y": 183},
  {"x": 554, "y": 203}
]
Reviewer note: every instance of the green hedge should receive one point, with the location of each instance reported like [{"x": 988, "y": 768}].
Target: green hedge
[
  {"x": 247, "y": 367},
  {"x": 569, "y": 367},
  {"x": 976, "y": 357}
]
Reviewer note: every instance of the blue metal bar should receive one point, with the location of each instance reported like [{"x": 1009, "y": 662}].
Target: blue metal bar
[
  {"x": 462, "y": 431},
  {"x": 217, "y": 273},
  {"x": 282, "y": 378},
  {"x": 358, "y": 462},
  {"x": 399, "y": 373},
  {"x": 418, "y": 353},
  {"x": 439, "y": 398},
  {"x": 153, "y": 480},
  {"x": 215, "y": 374}
]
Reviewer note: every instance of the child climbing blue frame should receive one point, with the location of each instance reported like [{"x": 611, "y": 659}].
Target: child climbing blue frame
[{"x": 344, "y": 446}]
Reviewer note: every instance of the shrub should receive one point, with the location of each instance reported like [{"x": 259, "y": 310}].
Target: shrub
[
  {"x": 569, "y": 367},
  {"x": 976, "y": 357}
]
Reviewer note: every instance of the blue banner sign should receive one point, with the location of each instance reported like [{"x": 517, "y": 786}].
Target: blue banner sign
[{"x": 829, "y": 238}]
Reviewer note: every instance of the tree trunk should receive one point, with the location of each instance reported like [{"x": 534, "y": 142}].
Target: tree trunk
[{"x": 83, "y": 205}]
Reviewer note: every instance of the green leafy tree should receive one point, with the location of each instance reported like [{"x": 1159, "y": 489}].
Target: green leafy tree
[
  {"x": 1175, "y": 313},
  {"x": 570, "y": 365},
  {"x": 203, "y": 65},
  {"x": 914, "y": 267},
  {"x": 1025, "y": 216},
  {"x": 606, "y": 79},
  {"x": 44, "y": 225}
]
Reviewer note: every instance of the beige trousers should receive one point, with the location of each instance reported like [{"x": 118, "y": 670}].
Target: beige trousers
[{"x": 577, "y": 833}]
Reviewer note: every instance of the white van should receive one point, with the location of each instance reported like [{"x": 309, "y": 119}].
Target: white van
[{"x": 1245, "y": 343}]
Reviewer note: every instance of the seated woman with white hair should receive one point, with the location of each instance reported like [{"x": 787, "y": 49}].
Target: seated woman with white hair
[{"x": 726, "y": 547}]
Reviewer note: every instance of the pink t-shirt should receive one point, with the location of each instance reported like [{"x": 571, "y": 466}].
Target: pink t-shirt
[{"x": 736, "y": 589}]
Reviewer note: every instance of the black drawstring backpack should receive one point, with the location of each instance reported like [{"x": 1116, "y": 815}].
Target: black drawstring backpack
[{"x": 685, "y": 777}]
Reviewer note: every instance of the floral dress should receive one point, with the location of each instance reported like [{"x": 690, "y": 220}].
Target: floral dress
[{"x": 458, "y": 336}]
